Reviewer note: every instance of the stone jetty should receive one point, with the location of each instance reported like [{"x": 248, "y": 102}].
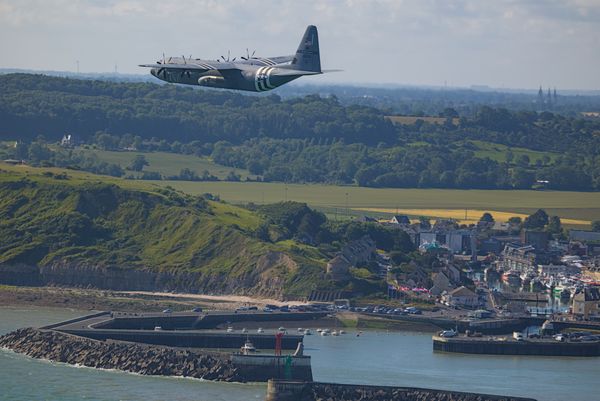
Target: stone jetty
[
  {"x": 131, "y": 357},
  {"x": 280, "y": 390}
]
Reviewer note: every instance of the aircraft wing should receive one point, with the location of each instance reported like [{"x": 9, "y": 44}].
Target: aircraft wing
[{"x": 201, "y": 66}]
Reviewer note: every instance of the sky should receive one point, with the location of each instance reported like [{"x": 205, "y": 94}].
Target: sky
[{"x": 499, "y": 43}]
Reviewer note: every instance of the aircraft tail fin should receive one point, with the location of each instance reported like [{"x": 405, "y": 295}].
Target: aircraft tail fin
[{"x": 307, "y": 56}]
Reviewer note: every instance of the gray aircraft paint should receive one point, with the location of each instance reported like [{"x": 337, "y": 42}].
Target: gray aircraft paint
[{"x": 257, "y": 74}]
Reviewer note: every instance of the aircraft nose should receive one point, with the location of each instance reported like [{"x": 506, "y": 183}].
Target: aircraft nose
[{"x": 153, "y": 71}]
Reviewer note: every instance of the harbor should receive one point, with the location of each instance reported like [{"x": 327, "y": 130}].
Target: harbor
[{"x": 397, "y": 359}]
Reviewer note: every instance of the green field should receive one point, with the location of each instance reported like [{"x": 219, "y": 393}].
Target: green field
[
  {"x": 332, "y": 199},
  {"x": 168, "y": 164},
  {"x": 497, "y": 152}
]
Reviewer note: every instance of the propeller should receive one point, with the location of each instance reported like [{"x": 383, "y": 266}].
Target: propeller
[
  {"x": 228, "y": 55},
  {"x": 248, "y": 55}
]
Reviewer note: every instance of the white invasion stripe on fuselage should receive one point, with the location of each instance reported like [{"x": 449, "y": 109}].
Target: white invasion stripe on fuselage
[
  {"x": 256, "y": 78},
  {"x": 268, "y": 80},
  {"x": 262, "y": 79}
]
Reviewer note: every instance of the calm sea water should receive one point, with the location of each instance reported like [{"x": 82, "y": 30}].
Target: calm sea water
[{"x": 402, "y": 359}]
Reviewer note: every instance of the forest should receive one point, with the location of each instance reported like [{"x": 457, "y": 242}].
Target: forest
[{"x": 301, "y": 139}]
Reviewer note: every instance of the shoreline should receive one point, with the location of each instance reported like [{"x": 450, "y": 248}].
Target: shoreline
[
  {"x": 141, "y": 301},
  {"x": 127, "y": 301}
]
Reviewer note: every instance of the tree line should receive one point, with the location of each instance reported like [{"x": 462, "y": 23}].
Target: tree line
[{"x": 309, "y": 139}]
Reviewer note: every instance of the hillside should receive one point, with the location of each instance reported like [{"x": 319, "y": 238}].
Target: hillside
[{"x": 65, "y": 227}]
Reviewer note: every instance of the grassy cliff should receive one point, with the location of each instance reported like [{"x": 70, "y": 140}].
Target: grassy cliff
[{"x": 75, "y": 222}]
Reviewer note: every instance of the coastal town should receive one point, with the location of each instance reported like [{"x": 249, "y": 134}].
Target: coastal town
[{"x": 490, "y": 269}]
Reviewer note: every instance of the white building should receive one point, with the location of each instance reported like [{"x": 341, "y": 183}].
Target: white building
[{"x": 462, "y": 296}]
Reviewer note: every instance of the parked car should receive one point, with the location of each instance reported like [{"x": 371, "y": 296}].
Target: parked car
[
  {"x": 167, "y": 311},
  {"x": 197, "y": 310}
]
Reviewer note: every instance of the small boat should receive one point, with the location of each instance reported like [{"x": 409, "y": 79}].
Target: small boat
[
  {"x": 319, "y": 330},
  {"x": 230, "y": 329},
  {"x": 157, "y": 328},
  {"x": 335, "y": 333},
  {"x": 281, "y": 329},
  {"x": 324, "y": 333},
  {"x": 342, "y": 332},
  {"x": 248, "y": 348},
  {"x": 244, "y": 330},
  {"x": 260, "y": 330},
  {"x": 300, "y": 329},
  {"x": 307, "y": 332}
]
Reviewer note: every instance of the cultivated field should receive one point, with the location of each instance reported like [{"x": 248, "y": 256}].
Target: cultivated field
[
  {"x": 463, "y": 216},
  {"x": 168, "y": 164},
  {"x": 574, "y": 208},
  {"x": 341, "y": 200}
]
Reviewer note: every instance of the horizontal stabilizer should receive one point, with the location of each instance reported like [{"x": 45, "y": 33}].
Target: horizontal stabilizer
[
  {"x": 324, "y": 71},
  {"x": 285, "y": 72}
]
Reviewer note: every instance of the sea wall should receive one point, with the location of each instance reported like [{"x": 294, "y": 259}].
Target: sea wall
[
  {"x": 544, "y": 347},
  {"x": 314, "y": 391},
  {"x": 137, "y": 358}
]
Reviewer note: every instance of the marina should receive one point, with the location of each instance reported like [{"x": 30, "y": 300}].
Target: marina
[{"x": 386, "y": 358}]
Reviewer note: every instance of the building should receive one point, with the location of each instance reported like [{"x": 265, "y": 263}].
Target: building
[
  {"x": 354, "y": 252},
  {"x": 537, "y": 239},
  {"x": 584, "y": 236},
  {"x": 400, "y": 219},
  {"x": 552, "y": 270},
  {"x": 67, "y": 141},
  {"x": 461, "y": 296},
  {"x": 441, "y": 284},
  {"x": 339, "y": 268},
  {"x": 516, "y": 257},
  {"x": 366, "y": 219},
  {"x": 457, "y": 241},
  {"x": 586, "y": 303}
]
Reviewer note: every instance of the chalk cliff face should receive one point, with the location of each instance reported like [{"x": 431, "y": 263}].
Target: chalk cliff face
[
  {"x": 261, "y": 281},
  {"x": 109, "y": 237}
]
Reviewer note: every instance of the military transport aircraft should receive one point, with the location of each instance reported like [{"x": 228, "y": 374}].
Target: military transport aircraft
[{"x": 251, "y": 73}]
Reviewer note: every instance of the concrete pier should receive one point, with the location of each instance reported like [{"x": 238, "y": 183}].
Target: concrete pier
[
  {"x": 495, "y": 346},
  {"x": 190, "y": 330}
]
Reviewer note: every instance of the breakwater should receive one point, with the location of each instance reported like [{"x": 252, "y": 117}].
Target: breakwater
[
  {"x": 154, "y": 360},
  {"x": 278, "y": 390},
  {"x": 497, "y": 346},
  {"x": 136, "y": 358}
]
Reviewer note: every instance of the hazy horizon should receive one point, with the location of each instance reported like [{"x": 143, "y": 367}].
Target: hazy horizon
[{"x": 506, "y": 44}]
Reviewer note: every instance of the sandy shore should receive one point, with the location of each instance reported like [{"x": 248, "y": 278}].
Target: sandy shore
[
  {"x": 236, "y": 300},
  {"x": 84, "y": 298}
]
